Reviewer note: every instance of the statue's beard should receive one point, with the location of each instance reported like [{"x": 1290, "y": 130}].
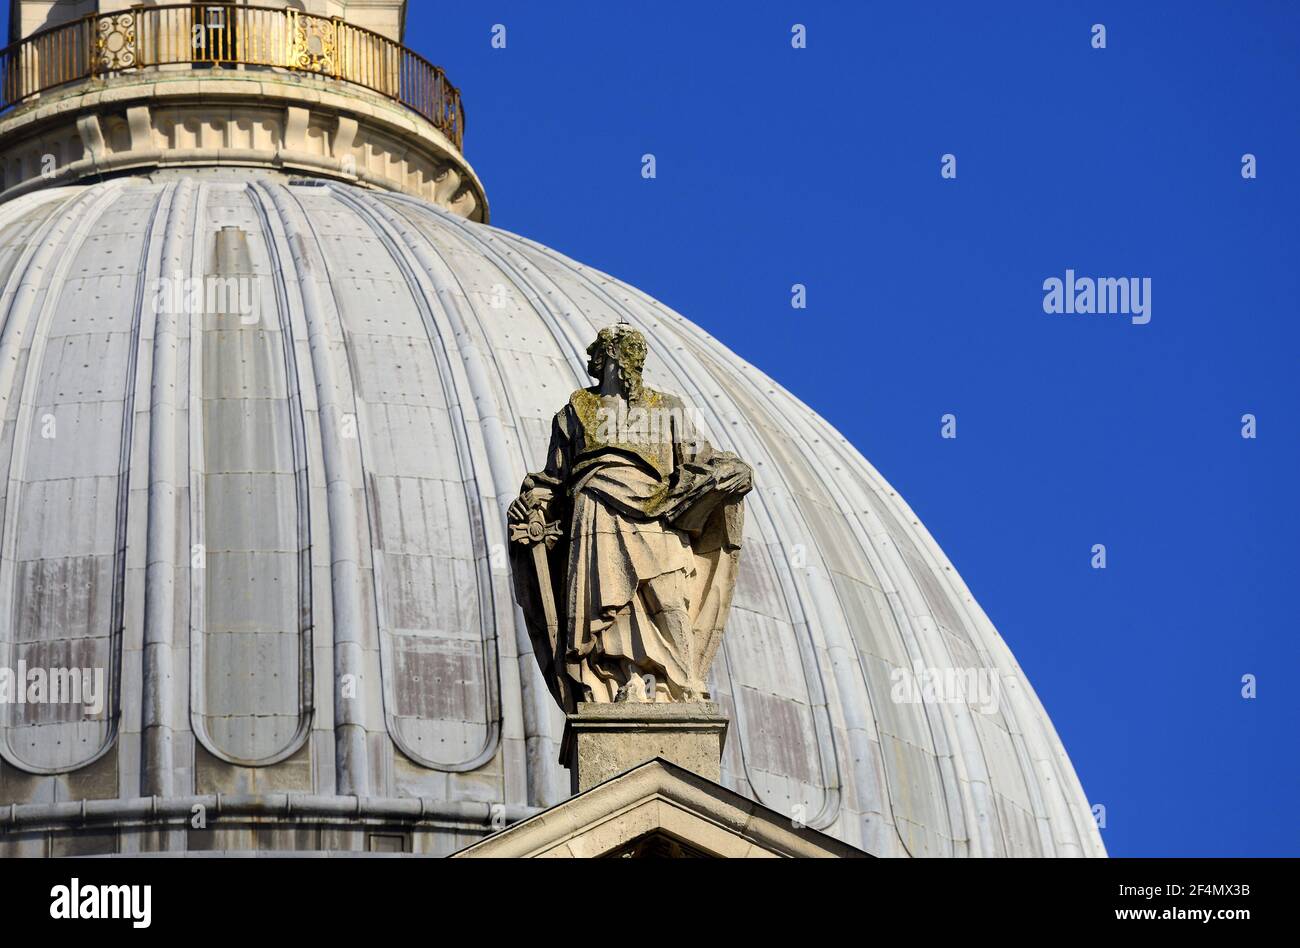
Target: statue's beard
[{"x": 628, "y": 382}]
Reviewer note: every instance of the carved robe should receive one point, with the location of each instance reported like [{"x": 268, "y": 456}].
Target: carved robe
[{"x": 648, "y": 512}]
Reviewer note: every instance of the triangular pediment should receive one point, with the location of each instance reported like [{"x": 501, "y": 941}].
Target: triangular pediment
[{"x": 659, "y": 810}]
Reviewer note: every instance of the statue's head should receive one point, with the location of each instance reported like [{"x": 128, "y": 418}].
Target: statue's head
[{"x": 622, "y": 347}]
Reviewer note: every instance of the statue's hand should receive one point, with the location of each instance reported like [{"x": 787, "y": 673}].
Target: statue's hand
[
  {"x": 519, "y": 508},
  {"x": 526, "y": 503},
  {"x": 738, "y": 479}
]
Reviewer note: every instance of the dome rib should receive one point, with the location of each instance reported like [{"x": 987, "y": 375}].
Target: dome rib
[
  {"x": 341, "y": 473},
  {"x": 160, "y": 608}
]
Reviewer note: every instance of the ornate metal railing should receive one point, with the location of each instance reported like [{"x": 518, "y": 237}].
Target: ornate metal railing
[{"x": 214, "y": 36}]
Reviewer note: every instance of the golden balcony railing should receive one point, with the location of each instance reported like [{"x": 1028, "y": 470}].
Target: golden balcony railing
[{"x": 214, "y": 36}]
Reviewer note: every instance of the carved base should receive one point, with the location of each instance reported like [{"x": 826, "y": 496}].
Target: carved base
[{"x": 604, "y": 740}]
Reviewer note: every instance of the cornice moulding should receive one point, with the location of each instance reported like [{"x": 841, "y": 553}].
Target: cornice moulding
[{"x": 282, "y": 122}]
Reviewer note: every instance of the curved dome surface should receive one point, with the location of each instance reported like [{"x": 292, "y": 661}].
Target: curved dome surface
[{"x": 279, "y": 526}]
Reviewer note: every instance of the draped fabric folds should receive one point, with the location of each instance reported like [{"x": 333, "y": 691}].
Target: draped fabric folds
[{"x": 650, "y": 519}]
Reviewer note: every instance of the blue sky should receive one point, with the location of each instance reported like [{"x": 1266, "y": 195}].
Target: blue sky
[{"x": 822, "y": 166}]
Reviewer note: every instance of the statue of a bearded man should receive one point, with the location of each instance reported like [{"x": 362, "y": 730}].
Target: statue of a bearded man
[{"x": 624, "y": 549}]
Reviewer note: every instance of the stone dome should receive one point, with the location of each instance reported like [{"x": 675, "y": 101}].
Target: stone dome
[{"x": 277, "y": 522}]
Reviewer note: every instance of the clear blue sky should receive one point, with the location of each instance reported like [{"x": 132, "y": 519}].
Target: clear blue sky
[{"x": 822, "y": 166}]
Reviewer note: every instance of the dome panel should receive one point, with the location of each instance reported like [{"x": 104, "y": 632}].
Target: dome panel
[
  {"x": 248, "y": 518},
  {"x": 64, "y": 517}
]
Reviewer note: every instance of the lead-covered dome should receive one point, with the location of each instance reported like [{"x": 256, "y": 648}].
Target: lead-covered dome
[{"x": 276, "y": 519}]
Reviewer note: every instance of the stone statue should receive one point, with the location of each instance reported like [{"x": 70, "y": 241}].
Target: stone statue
[{"x": 624, "y": 549}]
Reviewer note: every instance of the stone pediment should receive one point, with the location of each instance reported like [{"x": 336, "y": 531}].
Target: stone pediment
[{"x": 658, "y": 809}]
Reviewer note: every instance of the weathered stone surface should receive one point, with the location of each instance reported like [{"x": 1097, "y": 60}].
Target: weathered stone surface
[{"x": 604, "y": 740}]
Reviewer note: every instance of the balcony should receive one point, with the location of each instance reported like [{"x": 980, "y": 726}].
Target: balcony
[{"x": 219, "y": 37}]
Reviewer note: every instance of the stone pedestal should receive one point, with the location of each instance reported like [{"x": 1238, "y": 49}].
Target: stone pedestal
[{"x": 604, "y": 740}]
